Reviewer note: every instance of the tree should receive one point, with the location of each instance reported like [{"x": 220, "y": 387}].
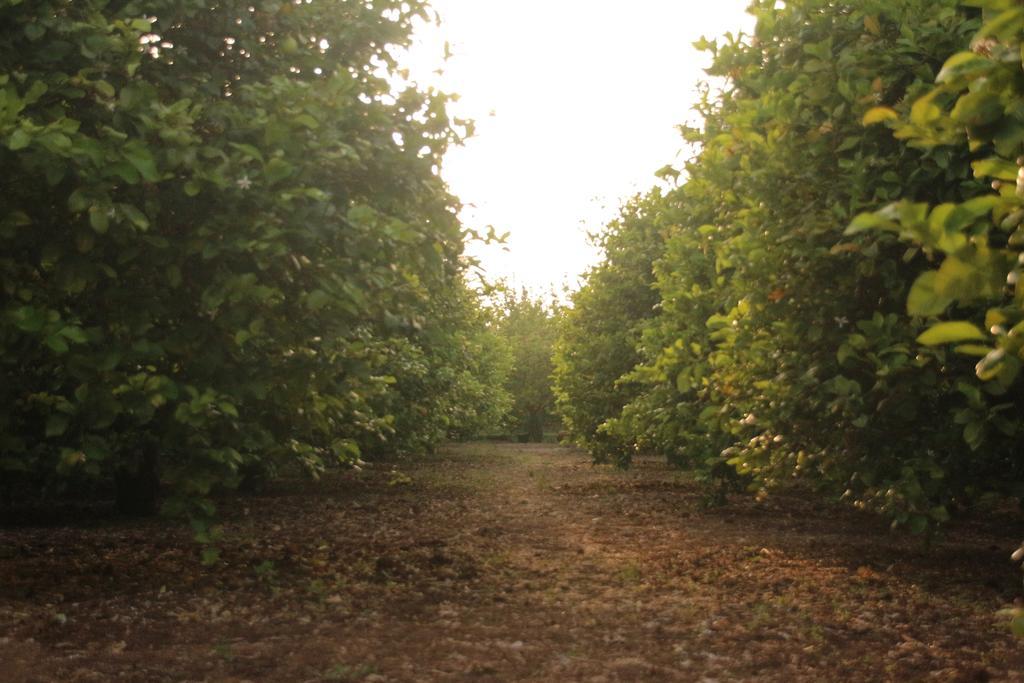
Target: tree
[
  {"x": 223, "y": 238},
  {"x": 977, "y": 243},
  {"x": 529, "y": 327},
  {"x": 600, "y": 331},
  {"x": 782, "y": 347}
]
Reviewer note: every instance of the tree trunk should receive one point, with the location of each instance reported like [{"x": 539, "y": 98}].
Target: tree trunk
[
  {"x": 137, "y": 487},
  {"x": 535, "y": 426}
]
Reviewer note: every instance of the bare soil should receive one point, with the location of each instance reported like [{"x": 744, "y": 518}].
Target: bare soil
[{"x": 499, "y": 562}]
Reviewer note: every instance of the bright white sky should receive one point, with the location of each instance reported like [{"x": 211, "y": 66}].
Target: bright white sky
[{"x": 585, "y": 96}]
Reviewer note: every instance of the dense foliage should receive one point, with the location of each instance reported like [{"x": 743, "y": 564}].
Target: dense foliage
[
  {"x": 977, "y": 245},
  {"x": 782, "y": 347},
  {"x": 482, "y": 402},
  {"x": 599, "y": 338},
  {"x": 529, "y": 327},
  {"x": 225, "y": 245}
]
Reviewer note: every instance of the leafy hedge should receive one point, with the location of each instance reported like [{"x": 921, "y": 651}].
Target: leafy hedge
[
  {"x": 782, "y": 345},
  {"x": 225, "y": 244},
  {"x": 601, "y": 330},
  {"x": 528, "y": 327}
]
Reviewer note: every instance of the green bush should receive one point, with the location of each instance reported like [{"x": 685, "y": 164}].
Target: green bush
[
  {"x": 782, "y": 345},
  {"x": 225, "y": 244},
  {"x": 528, "y": 327},
  {"x": 600, "y": 331}
]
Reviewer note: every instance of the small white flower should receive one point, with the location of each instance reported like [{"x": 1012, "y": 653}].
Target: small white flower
[
  {"x": 243, "y": 183},
  {"x": 842, "y": 321}
]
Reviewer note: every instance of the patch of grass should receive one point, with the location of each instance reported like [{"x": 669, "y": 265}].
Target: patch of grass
[
  {"x": 630, "y": 574},
  {"x": 495, "y": 560},
  {"x": 761, "y": 614},
  {"x": 317, "y": 590},
  {"x": 348, "y": 672},
  {"x": 266, "y": 572},
  {"x": 815, "y": 633},
  {"x": 224, "y": 651}
]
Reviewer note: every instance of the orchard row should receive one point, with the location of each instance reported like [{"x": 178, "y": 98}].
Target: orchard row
[
  {"x": 830, "y": 290},
  {"x": 226, "y": 250}
]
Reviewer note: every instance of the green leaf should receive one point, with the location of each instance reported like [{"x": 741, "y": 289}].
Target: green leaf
[
  {"x": 34, "y": 31},
  {"x": 307, "y": 120},
  {"x": 317, "y": 299},
  {"x": 1005, "y": 24},
  {"x": 125, "y": 172},
  {"x": 871, "y": 221},
  {"x": 57, "y": 343},
  {"x": 964, "y": 281},
  {"x": 879, "y": 115},
  {"x": 18, "y": 140},
  {"x": 139, "y": 156},
  {"x": 56, "y": 424},
  {"x": 75, "y": 334},
  {"x": 683, "y": 383},
  {"x": 277, "y": 169},
  {"x": 925, "y": 111},
  {"x": 209, "y": 556},
  {"x": 99, "y": 219},
  {"x": 248, "y": 150},
  {"x": 923, "y": 299},
  {"x": 173, "y": 276},
  {"x": 979, "y": 206},
  {"x": 974, "y": 434},
  {"x": 57, "y": 143},
  {"x": 1017, "y": 625},
  {"x": 963, "y": 65},
  {"x": 228, "y": 409},
  {"x": 29, "y": 318},
  {"x": 917, "y": 524},
  {"x": 977, "y": 108},
  {"x": 135, "y": 216},
  {"x": 951, "y": 332},
  {"x": 104, "y": 88},
  {"x": 976, "y": 350},
  {"x": 995, "y": 167}
]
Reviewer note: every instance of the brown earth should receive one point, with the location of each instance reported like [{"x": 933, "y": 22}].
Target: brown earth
[{"x": 496, "y": 562}]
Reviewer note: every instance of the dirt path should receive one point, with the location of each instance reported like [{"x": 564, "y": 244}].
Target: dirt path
[{"x": 507, "y": 563}]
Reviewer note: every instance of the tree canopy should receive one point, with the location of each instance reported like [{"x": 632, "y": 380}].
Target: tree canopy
[
  {"x": 781, "y": 344},
  {"x": 225, "y": 244}
]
